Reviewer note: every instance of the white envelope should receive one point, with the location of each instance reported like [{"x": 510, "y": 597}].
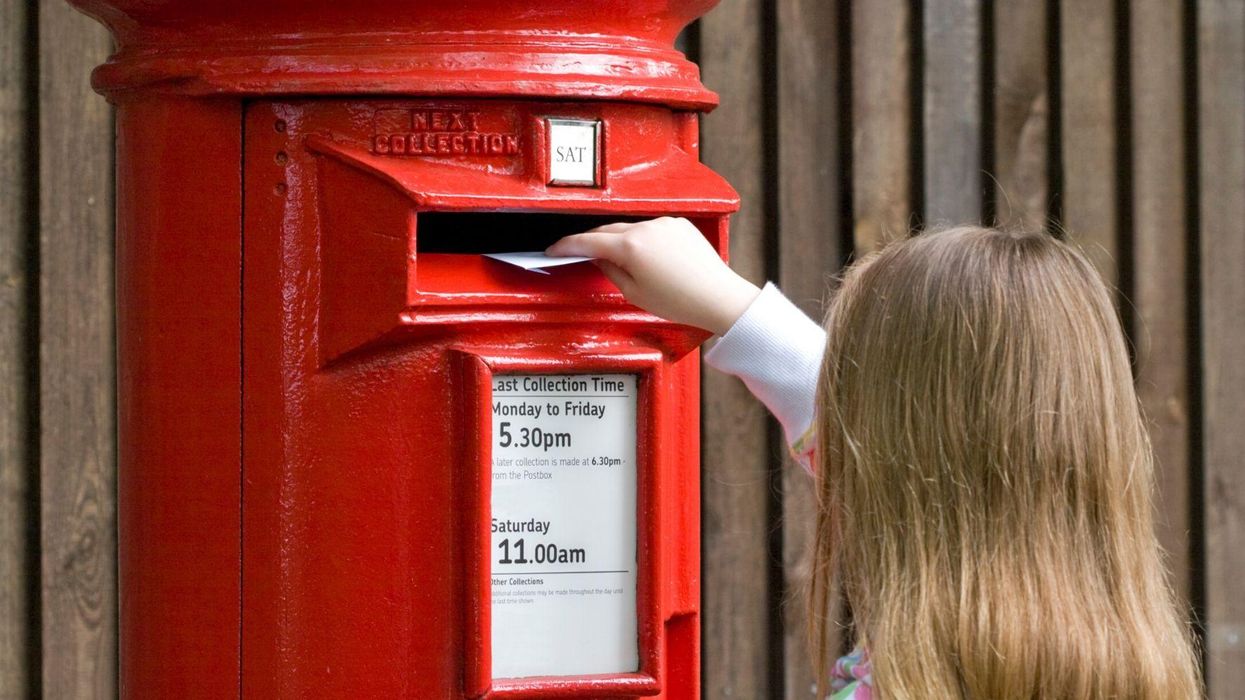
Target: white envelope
[{"x": 535, "y": 260}]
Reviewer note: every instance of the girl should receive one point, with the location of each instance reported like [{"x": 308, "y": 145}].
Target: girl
[{"x": 983, "y": 470}]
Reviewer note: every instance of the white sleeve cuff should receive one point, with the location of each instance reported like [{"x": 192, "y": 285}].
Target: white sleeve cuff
[{"x": 777, "y": 351}]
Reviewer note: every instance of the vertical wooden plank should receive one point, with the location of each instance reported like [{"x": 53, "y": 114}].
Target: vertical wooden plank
[
  {"x": 952, "y": 111},
  {"x": 881, "y": 121},
  {"x": 17, "y": 565},
  {"x": 1021, "y": 114},
  {"x": 1159, "y": 300},
  {"x": 1089, "y": 131},
  {"x": 735, "y": 490},
  {"x": 809, "y": 202},
  {"x": 1221, "y": 212},
  {"x": 78, "y": 421}
]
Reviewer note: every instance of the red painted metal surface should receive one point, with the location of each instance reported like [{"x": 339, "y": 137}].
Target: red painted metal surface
[
  {"x": 179, "y": 246},
  {"x": 307, "y": 334},
  {"x": 606, "y": 49}
]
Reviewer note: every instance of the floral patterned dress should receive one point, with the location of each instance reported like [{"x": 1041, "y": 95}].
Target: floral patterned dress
[{"x": 852, "y": 678}]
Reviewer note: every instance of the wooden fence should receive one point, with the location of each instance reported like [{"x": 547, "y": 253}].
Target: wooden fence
[{"x": 842, "y": 125}]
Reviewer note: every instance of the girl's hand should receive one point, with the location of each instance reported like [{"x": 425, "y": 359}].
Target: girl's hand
[{"x": 666, "y": 267}]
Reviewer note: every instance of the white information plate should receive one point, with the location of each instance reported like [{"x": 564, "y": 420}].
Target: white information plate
[
  {"x": 564, "y": 525},
  {"x": 573, "y": 151}
]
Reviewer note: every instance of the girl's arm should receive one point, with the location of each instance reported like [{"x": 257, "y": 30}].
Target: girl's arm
[
  {"x": 666, "y": 267},
  {"x": 776, "y": 350}
]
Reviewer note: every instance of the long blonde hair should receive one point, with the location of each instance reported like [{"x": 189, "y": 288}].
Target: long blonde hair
[{"x": 985, "y": 479}]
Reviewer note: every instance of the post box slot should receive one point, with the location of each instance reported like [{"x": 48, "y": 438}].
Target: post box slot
[
  {"x": 449, "y": 248},
  {"x": 500, "y": 232},
  {"x": 403, "y": 239}
]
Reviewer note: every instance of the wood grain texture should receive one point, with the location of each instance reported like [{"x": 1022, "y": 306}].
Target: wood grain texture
[
  {"x": 809, "y": 225},
  {"x": 882, "y": 168},
  {"x": 1160, "y": 240},
  {"x": 1021, "y": 114},
  {"x": 951, "y": 134},
  {"x": 735, "y": 486},
  {"x": 77, "y": 377},
  {"x": 18, "y": 563},
  {"x": 1221, "y": 155},
  {"x": 1090, "y": 131}
]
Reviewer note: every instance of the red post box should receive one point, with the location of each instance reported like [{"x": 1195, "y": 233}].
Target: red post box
[{"x": 358, "y": 459}]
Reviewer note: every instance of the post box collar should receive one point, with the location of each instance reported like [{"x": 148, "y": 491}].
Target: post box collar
[{"x": 612, "y": 50}]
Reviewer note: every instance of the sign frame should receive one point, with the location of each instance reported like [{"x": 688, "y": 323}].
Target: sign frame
[
  {"x": 476, "y": 370},
  {"x": 598, "y": 130}
]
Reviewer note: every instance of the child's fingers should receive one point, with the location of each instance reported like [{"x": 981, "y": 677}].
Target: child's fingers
[
  {"x": 615, "y": 274},
  {"x": 593, "y": 244},
  {"x": 570, "y": 245},
  {"x": 616, "y": 227}
]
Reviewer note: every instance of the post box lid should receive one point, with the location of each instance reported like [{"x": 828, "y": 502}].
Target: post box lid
[
  {"x": 680, "y": 184},
  {"x": 605, "y": 49}
]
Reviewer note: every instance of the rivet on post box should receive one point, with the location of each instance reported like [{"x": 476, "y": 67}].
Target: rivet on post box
[{"x": 404, "y": 469}]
